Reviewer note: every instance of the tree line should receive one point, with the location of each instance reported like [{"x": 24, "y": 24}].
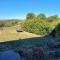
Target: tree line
[
  {"x": 9, "y": 23},
  {"x": 39, "y": 24}
]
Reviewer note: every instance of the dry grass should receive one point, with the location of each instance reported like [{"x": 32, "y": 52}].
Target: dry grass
[{"x": 8, "y": 34}]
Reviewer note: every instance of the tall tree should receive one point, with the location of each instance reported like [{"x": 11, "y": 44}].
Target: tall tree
[
  {"x": 41, "y": 16},
  {"x": 30, "y": 16}
]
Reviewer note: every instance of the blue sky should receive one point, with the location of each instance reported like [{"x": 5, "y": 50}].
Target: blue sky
[{"x": 17, "y": 9}]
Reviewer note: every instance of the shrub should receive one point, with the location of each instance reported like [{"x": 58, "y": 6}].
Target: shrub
[{"x": 36, "y": 26}]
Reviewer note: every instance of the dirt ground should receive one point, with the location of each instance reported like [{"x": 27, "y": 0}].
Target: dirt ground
[{"x": 11, "y": 34}]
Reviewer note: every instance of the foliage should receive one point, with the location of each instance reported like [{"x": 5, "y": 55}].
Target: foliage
[
  {"x": 41, "y": 16},
  {"x": 8, "y": 23},
  {"x": 36, "y": 26},
  {"x": 30, "y": 16},
  {"x": 40, "y": 24},
  {"x": 52, "y": 18}
]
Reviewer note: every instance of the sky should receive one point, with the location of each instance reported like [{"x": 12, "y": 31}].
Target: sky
[{"x": 18, "y": 9}]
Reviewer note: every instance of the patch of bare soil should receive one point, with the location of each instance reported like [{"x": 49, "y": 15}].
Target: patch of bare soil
[
  {"x": 14, "y": 31},
  {"x": 34, "y": 35}
]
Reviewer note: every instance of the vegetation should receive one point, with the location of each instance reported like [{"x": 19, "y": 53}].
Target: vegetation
[
  {"x": 44, "y": 48},
  {"x": 39, "y": 24},
  {"x": 10, "y": 33},
  {"x": 30, "y": 16},
  {"x": 9, "y": 23}
]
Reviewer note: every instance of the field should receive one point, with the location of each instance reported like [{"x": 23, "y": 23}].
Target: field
[
  {"x": 25, "y": 43},
  {"x": 10, "y": 33}
]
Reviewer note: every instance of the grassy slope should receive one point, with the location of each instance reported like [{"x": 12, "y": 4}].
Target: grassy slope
[
  {"x": 9, "y": 33},
  {"x": 26, "y": 45}
]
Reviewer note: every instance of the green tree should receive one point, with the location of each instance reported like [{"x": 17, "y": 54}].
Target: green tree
[
  {"x": 1, "y": 24},
  {"x": 41, "y": 16},
  {"x": 52, "y": 18},
  {"x": 36, "y": 26},
  {"x": 30, "y": 16}
]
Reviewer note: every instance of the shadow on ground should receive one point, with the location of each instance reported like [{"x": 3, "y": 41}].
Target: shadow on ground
[{"x": 37, "y": 48}]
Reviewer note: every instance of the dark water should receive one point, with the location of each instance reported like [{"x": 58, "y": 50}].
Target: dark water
[{"x": 10, "y": 55}]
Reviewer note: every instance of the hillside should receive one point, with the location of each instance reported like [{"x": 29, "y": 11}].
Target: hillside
[
  {"x": 45, "y": 48},
  {"x": 10, "y": 33}
]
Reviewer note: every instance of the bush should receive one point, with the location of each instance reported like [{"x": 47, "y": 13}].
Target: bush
[{"x": 36, "y": 26}]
